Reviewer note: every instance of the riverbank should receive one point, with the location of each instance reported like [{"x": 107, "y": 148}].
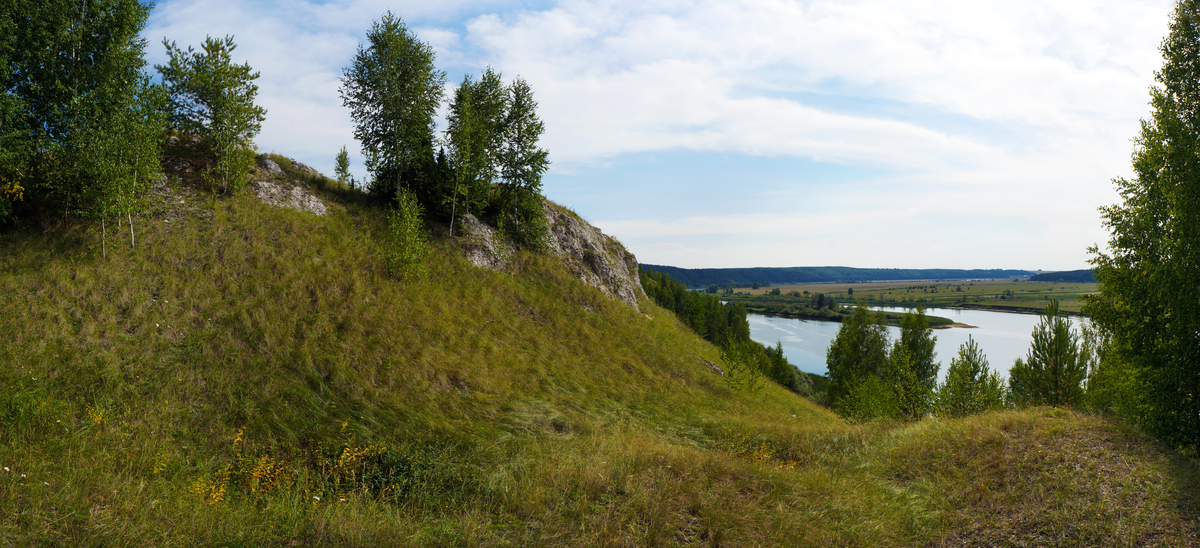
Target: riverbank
[
  {"x": 1017, "y": 296},
  {"x": 826, "y": 315}
]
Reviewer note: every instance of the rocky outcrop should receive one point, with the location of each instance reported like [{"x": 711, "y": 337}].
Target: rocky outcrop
[
  {"x": 304, "y": 168},
  {"x": 270, "y": 165},
  {"x": 480, "y": 244},
  {"x": 597, "y": 259},
  {"x": 284, "y": 195}
]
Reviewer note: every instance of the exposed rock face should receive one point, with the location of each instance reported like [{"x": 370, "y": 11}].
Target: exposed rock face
[
  {"x": 269, "y": 165},
  {"x": 597, "y": 259},
  {"x": 288, "y": 196},
  {"x": 480, "y": 243},
  {"x": 305, "y": 169},
  {"x": 178, "y": 165},
  {"x": 593, "y": 257}
]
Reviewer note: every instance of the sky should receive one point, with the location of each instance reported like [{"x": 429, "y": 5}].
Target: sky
[{"x": 724, "y": 133}]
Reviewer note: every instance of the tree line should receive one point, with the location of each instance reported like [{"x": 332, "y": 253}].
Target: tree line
[
  {"x": 725, "y": 325},
  {"x": 1146, "y": 313},
  {"x": 744, "y": 277},
  {"x": 871, "y": 377},
  {"x": 83, "y": 123}
]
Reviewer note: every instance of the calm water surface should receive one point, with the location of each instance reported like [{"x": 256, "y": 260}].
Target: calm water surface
[{"x": 1002, "y": 336}]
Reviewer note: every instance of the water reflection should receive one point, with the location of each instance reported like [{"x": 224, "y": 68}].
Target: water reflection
[{"x": 1002, "y": 336}]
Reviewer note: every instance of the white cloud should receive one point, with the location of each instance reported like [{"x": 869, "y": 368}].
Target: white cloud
[
  {"x": 615, "y": 78},
  {"x": 1011, "y": 115}
]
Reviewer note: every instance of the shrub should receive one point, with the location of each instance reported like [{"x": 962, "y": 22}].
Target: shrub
[
  {"x": 870, "y": 399},
  {"x": 406, "y": 247},
  {"x": 911, "y": 395},
  {"x": 743, "y": 365}
]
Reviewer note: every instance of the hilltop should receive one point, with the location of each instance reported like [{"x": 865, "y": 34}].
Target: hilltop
[{"x": 245, "y": 372}]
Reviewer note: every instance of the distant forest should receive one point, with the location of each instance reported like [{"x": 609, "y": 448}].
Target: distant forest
[
  {"x": 1085, "y": 276},
  {"x": 704, "y": 277}
]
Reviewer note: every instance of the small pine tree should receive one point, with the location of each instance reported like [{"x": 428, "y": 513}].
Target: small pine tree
[
  {"x": 970, "y": 387},
  {"x": 1054, "y": 369},
  {"x": 213, "y": 98},
  {"x": 341, "y": 167}
]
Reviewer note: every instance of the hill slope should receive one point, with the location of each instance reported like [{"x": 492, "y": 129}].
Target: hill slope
[{"x": 248, "y": 375}]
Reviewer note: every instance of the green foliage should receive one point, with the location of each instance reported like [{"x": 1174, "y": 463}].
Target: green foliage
[
  {"x": 860, "y": 364},
  {"x": 725, "y": 325},
  {"x": 406, "y": 247},
  {"x": 523, "y": 219},
  {"x": 916, "y": 337},
  {"x": 744, "y": 365},
  {"x": 492, "y": 135},
  {"x": 393, "y": 90},
  {"x": 1148, "y": 278},
  {"x": 857, "y": 353},
  {"x": 868, "y": 400},
  {"x": 122, "y": 156},
  {"x": 78, "y": 123},
  {"x": 1054, "y": 370},
  {"x": 1021, "y": 380},
  {"x": 212, "y": 98},
  {"x": 785, "y": 374},
  {"x": 1113, "y": 384},
  {"x": 912, "y": 396},
  {"x": 341, "y": 166},
  {"x": 521, "y": 165},
  {"x": 705, "y": 314},
  {"x": 473, "y": 124},
  {"x": 971, "y": 386}
]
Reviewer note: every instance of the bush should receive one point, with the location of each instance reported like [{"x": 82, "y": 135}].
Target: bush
[
  {"x": 911, "y": 395},
  {"x": 406, "y": 247},
  {"x": 871, "y": 399},
  {"x": 744, "y": 365}
]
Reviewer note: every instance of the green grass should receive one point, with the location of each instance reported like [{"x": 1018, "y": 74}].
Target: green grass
[
  {"x": 1004, "y": 295},
  {"x": 203, "y": 387}
]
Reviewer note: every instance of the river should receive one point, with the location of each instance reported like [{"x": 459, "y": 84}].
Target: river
[{"x": 1002, "y": 336}]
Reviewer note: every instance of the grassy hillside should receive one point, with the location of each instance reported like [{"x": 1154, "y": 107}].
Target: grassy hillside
[{"x": 248, "y": 376}]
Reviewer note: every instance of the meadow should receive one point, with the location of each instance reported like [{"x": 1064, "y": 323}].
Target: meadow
[
  {"x": 245, "y": 375},
  {"x": 1002, "y": 295}
]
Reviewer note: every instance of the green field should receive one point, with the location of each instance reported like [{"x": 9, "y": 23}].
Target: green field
[{"x": 1007, "y": 295}]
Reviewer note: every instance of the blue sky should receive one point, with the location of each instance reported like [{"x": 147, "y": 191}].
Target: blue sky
[{"x": 868, "y": 133}]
